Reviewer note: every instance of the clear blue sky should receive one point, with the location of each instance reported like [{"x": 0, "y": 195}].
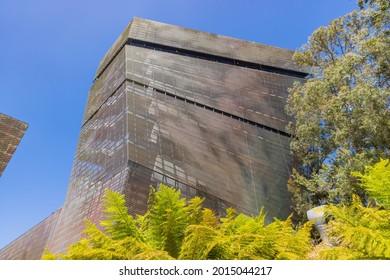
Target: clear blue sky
[{"x": 49, "y": 52}]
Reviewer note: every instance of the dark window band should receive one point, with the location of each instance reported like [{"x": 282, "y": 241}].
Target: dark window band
[
  {"x": 215, "y": 58},
  {"x": 206, "y": 56},
  {"x": 229, "y": 115}
]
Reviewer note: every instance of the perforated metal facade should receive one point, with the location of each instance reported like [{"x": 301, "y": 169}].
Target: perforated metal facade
[
  {"x": 11, "y": 132},
  {"x": 31, "y": 245},
  {"x": 197, "y": 111}
]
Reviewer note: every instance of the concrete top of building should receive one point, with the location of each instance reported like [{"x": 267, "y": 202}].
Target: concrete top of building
[
  {"x": 11, "y": 132},
  {"x": 158, "y": 33}
]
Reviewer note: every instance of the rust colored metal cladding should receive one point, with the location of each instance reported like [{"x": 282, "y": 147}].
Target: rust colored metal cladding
[
  {"x": 11, "y": 133},
  {"x": 30, "y": 245},
  {"x": 200, "y": 112}
]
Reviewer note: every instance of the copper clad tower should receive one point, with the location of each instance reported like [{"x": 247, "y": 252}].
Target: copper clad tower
[{"x": 200, "y": 112}]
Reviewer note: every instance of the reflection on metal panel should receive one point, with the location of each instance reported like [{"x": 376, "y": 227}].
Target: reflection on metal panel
[
  {"x": 100, "y": 163},
  {"x": 255, "y": 95},
  {"x": 237, "y": 162}
]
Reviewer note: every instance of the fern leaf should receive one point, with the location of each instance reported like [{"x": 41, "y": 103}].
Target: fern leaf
[{"x": 118, "y": 223}]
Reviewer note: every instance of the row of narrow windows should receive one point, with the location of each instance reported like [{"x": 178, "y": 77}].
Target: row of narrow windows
[
  {"x": 206, "y": 56},
  {"x": 215, "y": 58},
  {"x": 241, "y": 119}
]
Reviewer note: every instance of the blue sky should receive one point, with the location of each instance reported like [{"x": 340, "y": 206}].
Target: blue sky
[{"x": 49, "y": 52}]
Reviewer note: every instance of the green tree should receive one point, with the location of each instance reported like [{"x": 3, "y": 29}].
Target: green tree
[
  {"x": 342, "y": 110},
  {"x": 173, "y": 228}
]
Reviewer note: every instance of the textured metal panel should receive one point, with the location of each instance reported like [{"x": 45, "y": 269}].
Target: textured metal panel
[
  {"x": 186, "y": 38},
  {"x": 113, "y": 51},
  {"x": 174, "y": 36},
  {"x": 31, "y": 244},
  {"x": 255, "y": 95},
  {"x": 100, "y": 163},
  {"x": 104, "y": 87},
  {"x": 11, "y": 133},
  {"x": 241, "y": 164}
]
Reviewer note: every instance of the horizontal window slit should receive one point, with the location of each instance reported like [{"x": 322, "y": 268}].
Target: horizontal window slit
[{"x": 218, "y": 111}]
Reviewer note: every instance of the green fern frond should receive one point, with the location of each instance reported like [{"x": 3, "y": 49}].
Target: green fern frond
[
  {"x": 167, "y": 219},
  {"x": 195, "y": 210},
  {"x": 95, "y": 236},
  {"x": 208, "y": 218},
  {"x": 153, "y": 255},
  {"x": 362, "y": 231},
  {"x": 47, "y": 255},
  {"x": 376, "y": 180},
  {"x": 228, "y": 223},
  {"x": 199, "y": 241},
  {"x": 288, "y": 242},
  {"x": 118, "y": 223},
  {"x": 249, "y": 246},
  {"x": 339, "y": 253}
]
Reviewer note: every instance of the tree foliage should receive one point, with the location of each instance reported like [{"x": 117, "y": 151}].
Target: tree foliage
[
  {"x": 342, "y": 110},
  {"x": 358, "y": 231},
  {"x": 173, "y": 228}
]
